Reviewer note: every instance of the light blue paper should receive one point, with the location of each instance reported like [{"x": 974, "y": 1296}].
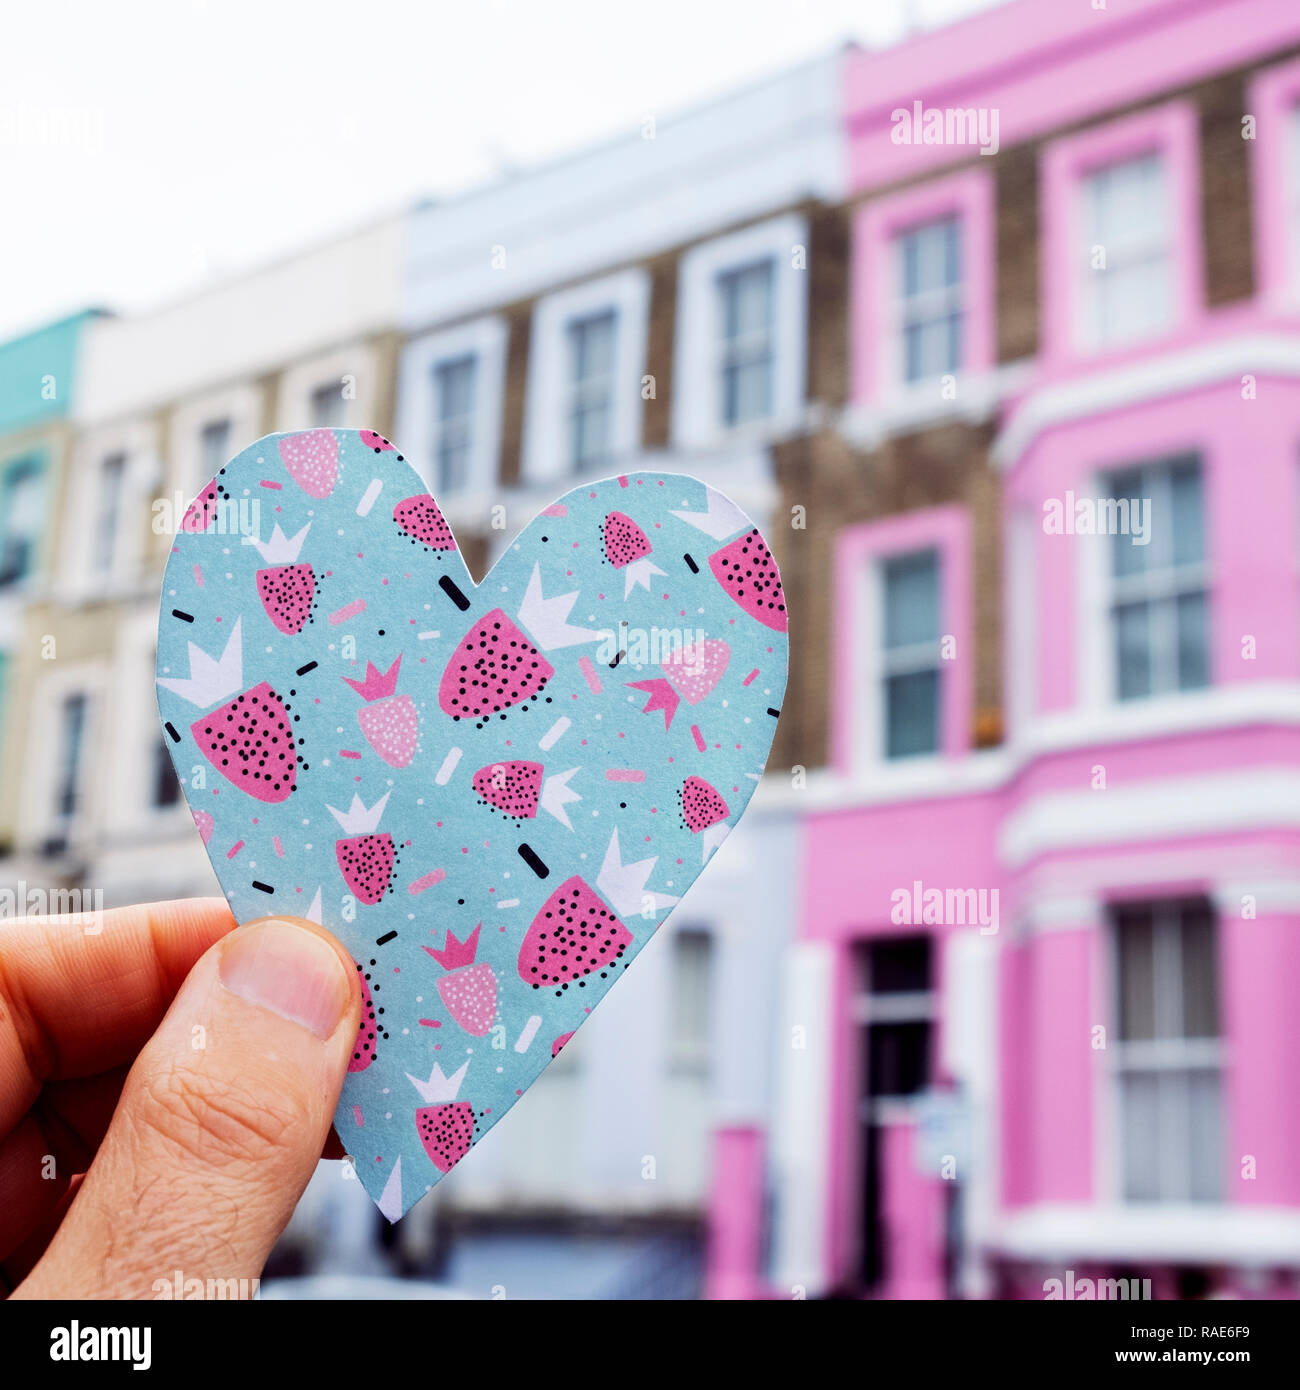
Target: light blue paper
[{"x": 667, "y": 668}]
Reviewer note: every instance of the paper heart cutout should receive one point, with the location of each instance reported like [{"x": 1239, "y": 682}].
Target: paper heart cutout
[{"x": 491, "y": 794}]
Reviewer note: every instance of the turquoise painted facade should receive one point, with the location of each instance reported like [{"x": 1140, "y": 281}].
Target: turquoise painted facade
[{"x": 38, "y": 373}]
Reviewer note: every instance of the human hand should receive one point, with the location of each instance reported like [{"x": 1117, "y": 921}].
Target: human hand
[{"x": 188, "y": 1067}]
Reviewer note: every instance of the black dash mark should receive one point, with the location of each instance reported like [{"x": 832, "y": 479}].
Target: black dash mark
[
  {"x": 534, "y": 863},
  {"x": 775, "y": 713},
  {"x": 302, "y": 670},
  {"x": 448, "y": 587},
  {"x": 695, "y": 569},
  {"x": 171, "y": 730},
  {"x": 263, "y": 887},
  {"x": 184, "y": 617},
  {"x": 385, "y": 939},
  {"x": 616, "y": 660}
]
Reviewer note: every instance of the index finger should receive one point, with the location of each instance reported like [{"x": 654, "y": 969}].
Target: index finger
[{"x": 76, "y": 1002}]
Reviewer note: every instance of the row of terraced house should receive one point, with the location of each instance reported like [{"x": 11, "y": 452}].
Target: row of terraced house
[{"x": 997, "y": 336}]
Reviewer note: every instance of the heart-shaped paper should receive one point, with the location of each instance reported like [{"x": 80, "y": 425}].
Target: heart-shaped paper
[{"x": 491, "y": 794}]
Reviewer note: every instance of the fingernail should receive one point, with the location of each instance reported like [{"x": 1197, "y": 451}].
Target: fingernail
[{"x": 290, "y": 971}]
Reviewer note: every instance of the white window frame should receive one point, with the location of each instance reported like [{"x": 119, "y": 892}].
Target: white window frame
[
  {"x": 901, "y": 661},
  {"x": 39, "y": 798},
  {"x": 485, "y": 340},
  {"x": 300, "y": 381},
  {"x": 547, "y": 443},
  {"x": 1134, "y": 249},
  {"x": 870, "y": 733},
  {"x": 1159, "y": 1056},
  {"x": 133, "y": 707},
  {"x": 697, "y": 395},
  {"x": 240, "y": 405},
  {"x": 940, "y": 303},
  {"x": 137, "y": 441}
]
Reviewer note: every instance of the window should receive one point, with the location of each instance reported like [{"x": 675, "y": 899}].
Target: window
[
  {"x": 214, "y": 448},
  {"x": 910, "y": 653},
  {"x": 930, "y": 293},
  {"x": 71, "y": 734},
  {"x": 112, "y": 476},
  {"x": 591, "y": 344},
  {"x": 454, "y": 386},
  {"x": 1159, "y": 604},
  {"x": 692, "y": 973},
  {"x": 327, "y": 406},
  {"x": 1169, "y": 1054},
  {"x": 745, "y": 299},
  {"x": 1129, "y": 285},
  {"x": 21, "y": 505}
]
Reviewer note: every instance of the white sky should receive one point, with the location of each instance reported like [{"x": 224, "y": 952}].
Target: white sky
[{"x": 151, "y": 146}]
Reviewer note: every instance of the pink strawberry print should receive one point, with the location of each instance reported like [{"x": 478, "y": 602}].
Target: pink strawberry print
[
  {"x": 288, "y": 593},
  {"x": 689, "y": 673},
  {"x": 419, "y": 518},
  {"x": 366, "y": 856},
  {"x": 206, "y": 825},
  {"x": 250, "y": 742},
  {"x": 468, "y": 991},
  {"x": 312, "y": 460},
  {"x": 624, "y": 540},
  {"x": 493, "y": 667},
  {"x": 514, "y": 788},
  {"x": 558, "y": 1045},
  {"x": 746, "y": 570},
  {"x": 573, "y": 936},
  {"x": 374, "y": 441},
  {"x": 446, "y": 1131},
  {"x": 702, "y": 805},
  {"x": 366, "y": 863},
  {"x": 388, "y": 721},
  {"x": 202, "y": 512},
  {"x": 363, "y": 1050}
]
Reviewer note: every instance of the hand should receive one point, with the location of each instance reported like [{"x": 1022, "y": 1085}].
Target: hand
[{"x": 188, "y": 1067}]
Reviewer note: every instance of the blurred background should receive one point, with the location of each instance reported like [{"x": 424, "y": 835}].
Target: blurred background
[{"x": 990, "y": 315}]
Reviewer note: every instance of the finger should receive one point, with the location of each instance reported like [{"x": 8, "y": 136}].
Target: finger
[
  {"x": 221, "y": 1121},
  {"x": 80, "y": 994},
  {"x": 56, "y": 1139}
]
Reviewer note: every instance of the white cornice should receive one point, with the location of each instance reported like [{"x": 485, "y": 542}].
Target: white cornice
[{"x": 1153, "y": 378}]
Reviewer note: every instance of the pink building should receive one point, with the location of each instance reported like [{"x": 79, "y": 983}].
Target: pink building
[{"x": 1040, "y": 1005}]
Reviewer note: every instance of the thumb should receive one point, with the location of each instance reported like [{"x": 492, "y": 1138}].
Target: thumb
[{"x": 220, "y": 1123}]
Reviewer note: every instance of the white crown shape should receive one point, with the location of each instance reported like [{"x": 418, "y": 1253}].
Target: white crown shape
[
  {"x": 556, "y": 795},
  {"x": 624, "y": 885},
  {"x": 359, "y": 819},
  {"x": 210, "y": 680},
  {"x": 547, "y": 619},
  {"x": 721, "y": 517},
  {"x": 439, "y": 1087},
  {"x": 280, "y": 549}
]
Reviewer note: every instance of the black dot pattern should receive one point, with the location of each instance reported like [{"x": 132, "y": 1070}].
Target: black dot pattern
[
  {"x": 366, "y": 863},
  {"x": 447, "y": 1132},
  {"x": 250, "y": 741},
  {"x": 573, "y": 936},
  {"x": 494, "y": 667},
  {"x": 288, "y": 593},
  {"x": 365, "y": 1049},
  {"x": 746, "y": 569}
]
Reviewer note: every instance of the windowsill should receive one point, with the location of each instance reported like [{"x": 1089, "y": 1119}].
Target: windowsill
[
  {"x": 1184, "y": 1232},
  {"x": 904, "y": 410}
]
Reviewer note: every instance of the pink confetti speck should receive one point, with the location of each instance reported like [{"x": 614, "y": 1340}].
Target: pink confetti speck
[
  {"x": 698, "y": 737},
  {"x": 357, "y": 1116},
  {"x": 348, "y": 753},
  {"x": 750, "y": 677},
  {"x": 234, "y": 849},
  {"x": 275, "y": 487},
  {"x": 624, "y": 774},
  {"x": 279, "y": 848},
  {"x": 622, "y": 482},
  {"x": 198, "y": 576},
  {"x": 430, "y": 1023},
  {"x": 427, "y": 881},
  {"x": 349, "y": 610}
]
